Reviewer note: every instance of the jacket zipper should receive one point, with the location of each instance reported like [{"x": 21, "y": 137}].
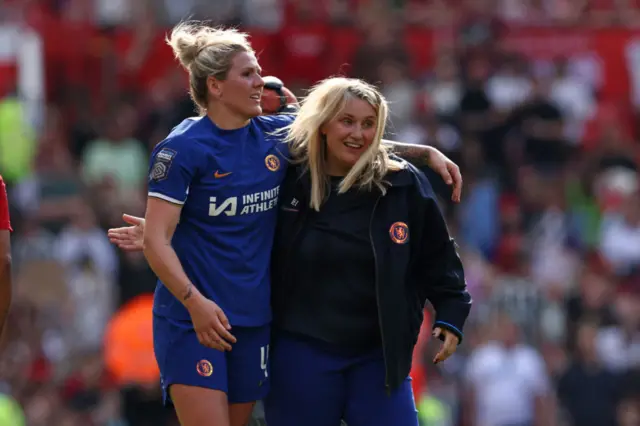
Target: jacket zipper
[
  {"x": 301, "y": 220},
  {"x": 375, "y": 262}
]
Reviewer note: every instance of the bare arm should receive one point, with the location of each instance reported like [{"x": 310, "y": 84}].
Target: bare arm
[
  {"x": 209, "y": 322},
  {"x": 162, "y": 217},
  {"x": 420, "y": 156}
]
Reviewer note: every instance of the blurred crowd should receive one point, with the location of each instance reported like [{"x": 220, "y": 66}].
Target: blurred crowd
[{"x": 549, "y": 225}]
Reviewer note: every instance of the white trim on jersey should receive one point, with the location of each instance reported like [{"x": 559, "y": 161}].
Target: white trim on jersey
[{"x": 164, "y": 197}]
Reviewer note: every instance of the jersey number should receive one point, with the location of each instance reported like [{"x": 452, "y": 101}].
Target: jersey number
[
  {"x": 228, "y": 207},
  {"x": 264, "y": 359}
]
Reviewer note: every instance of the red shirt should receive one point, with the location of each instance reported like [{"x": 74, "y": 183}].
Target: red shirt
[{"x": 5, "y": 224}]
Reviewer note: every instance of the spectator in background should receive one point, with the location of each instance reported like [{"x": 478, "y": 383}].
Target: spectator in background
[
  {"x": 619, "y": 347},
  {"x": 591, "y": 300},
  {"x": 541, "y": 126},
  {"x": 574, "y": 98},
  {"x": 444, "y": 89},
  {"x": 507, "y": 381},
  {"x": 400, "y": 92},
  {"x": 380, "y": 45},
  {"x": 91, "y": 267},
  {"x": 53, "y": 190},
  {"x": 479, "y": 211},
  {"x": 116, "y": 162},
  {"x": 620, "y": 243},
  {"x": 510, "y": 86},
  {"x": 17, "y": 140},
  {"x": 587, "y": 391}
]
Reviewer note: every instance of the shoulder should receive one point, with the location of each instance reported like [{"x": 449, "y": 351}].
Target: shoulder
[
  {"x": 410, "y": 175},
  {"x": 183, "y": 138},
  {"x": 181, "y": 147},
  {"x": 274, "y": 122}
]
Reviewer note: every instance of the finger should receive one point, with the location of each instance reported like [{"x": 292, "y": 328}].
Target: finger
[
  {"x": 437, "y": 332},
  {"x": 224, "y": 333},
  {"x": 445, "y": 174},
  {"x": 202, "y": 339},
  {"x": 439, "y": 356},
  {"x": 448, "y": 348},
  {"x": 129, "y": 247},
  {"x": 219, "y": 341},
  {"x": 132, "y": 220},
  {"x": 126, "y": 245},
  {"x": 223, "y": 319},
  {"x": 119, "y": 238},
  {"x": 125, "y": 230},
  {"x": 206, "y": 339},
  {"x": 457, "y": 182},
  {"x": 450, "y": 344}
]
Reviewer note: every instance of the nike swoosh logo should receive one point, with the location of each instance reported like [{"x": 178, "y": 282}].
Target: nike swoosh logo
[{"x": 219, "y": 175}]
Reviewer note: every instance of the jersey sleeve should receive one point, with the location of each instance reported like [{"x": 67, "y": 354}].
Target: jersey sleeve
[
  {"x": 276, "y": 121},
  {"x": 5, "y": 223},
  {"x": 271, "y": 124},
  {"x": 174, "y": 165}
]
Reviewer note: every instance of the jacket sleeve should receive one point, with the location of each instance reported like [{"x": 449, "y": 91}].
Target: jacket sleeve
[{"x": 442, "y": 280}]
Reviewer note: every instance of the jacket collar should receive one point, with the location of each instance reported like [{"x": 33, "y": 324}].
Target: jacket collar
[{"x": 402, "y": 177}]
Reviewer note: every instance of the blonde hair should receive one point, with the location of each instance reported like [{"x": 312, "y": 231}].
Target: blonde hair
[
  {"x": 307, "y": 145},
  {"x": 205, "y": 51}
]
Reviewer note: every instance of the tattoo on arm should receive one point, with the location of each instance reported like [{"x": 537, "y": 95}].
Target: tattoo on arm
[
  {"x": 189, "y": 293},
  {"x": 417, "y": 155}
]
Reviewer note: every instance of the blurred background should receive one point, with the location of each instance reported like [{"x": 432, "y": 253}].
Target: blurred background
[{"x": 537, "y": 100}]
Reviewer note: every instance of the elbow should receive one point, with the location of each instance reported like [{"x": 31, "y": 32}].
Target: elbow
[
  {"x": 148, "y": 246},
  {"x": 151, "y": 243}
]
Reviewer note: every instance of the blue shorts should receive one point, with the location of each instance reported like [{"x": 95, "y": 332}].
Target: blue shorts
[
  {"x": 242, "y": 373},
  {"x": 317, "y": 384}
]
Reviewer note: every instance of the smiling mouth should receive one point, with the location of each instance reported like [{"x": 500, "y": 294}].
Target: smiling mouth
[
  {"x": 353, "y": 145},
  {"x": 256, "y": 97}
]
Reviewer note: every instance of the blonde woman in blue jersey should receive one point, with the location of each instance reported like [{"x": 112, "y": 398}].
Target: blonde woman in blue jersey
[
  {"x": 210, "y": 223},
  {"x": 213, "y": 185}
]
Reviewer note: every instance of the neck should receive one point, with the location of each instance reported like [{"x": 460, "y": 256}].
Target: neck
[
  {"x": 333, "y": 168},
  {"x": 225, "y": 119}
]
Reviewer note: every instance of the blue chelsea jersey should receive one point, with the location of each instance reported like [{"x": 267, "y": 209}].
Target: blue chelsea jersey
[{"x": 228, "y": 183}]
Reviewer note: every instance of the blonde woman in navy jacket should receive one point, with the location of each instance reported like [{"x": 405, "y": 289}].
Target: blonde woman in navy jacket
[{"x": 360, "y": 246}]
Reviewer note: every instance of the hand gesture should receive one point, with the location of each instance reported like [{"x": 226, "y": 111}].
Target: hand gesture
[
  {"x": 128, "y": 238},
  {"x": 448, "y": 347},
  {"x": 211, "y": 324},
  {"x": 448, "y": 170}
]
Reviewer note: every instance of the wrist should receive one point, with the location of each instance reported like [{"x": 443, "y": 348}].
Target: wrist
[{"x": 190, "y": 297}]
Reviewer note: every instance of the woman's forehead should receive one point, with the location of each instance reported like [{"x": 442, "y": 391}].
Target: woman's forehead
[{"x": 358, "y": 108}]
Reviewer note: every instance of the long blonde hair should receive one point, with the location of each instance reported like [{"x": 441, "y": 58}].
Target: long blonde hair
[
  {"x": 206, "y": 51},
  {"x": 307, "y": 145}
]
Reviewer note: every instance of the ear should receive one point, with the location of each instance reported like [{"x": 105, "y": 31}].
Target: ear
[
  {"x": 323, "y": 129},
  {"x": 214, "y": 86}
]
